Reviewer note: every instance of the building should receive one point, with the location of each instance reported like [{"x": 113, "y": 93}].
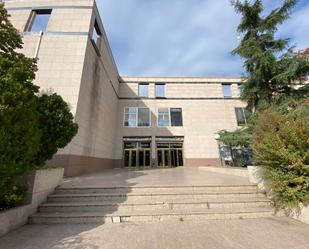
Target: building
[{"x": 123, "y": 121}]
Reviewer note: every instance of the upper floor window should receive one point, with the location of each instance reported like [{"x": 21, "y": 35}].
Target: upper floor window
[
  {"x": 240, "y": 88},
  {"x": 96, "y": 33},
  {"x": 160, "y": 90},
  {"x": 226, "y": 89},
  {"x": 143, "y": 90},
  {"x": 134, "y": 117},
  {"x": 163, "y": 117},
  {"x": 38, "y": 20},
  {"x": 241, "y": 116},
  {"x": 176, "y": 116}
]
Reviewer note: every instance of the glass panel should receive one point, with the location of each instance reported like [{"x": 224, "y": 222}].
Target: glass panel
[
  {"x": 176, "y": 145},
  {"x": 240, "y": 88},
  {"x": 180, "y": 158},
  {"x": 226, "y": 89},
  {"x": 133, "y": 158},
  {"x": 240, "y": 116},
  {"x": 163, "y": 117},
  {"x": 160, "y": 90},
  {"x": 40, "y": 20},
  {"x": 166, "y": 158},
  {"x": 160, "y": 161},
  {"x": 147, "y": 158},
  {"x": 141, "y": 158},
  {"x": 162, "y": 145},
  {"x": 126, "y": 158},
  {"x": 145, "y": 145},
  {"x": 143, "y": 117},
  {"x": 143, "y": 90},
  {"x": 173, "y": 158},
  {"x": 130, "y": 117},
  {"x": 130, "y": 145},
  {"x": 96, "y": 33},
  {"x": 176, "y": 117}
]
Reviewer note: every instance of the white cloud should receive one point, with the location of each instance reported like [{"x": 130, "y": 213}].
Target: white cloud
[{"x": 180, "y": 37}]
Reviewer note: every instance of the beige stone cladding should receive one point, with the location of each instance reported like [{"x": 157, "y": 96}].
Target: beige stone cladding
[
  {"x": 82, "y": 72},
  {"x": 204, "y": 111}
]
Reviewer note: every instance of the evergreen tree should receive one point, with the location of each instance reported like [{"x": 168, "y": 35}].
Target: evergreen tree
[{"x": 272, "y": 69}]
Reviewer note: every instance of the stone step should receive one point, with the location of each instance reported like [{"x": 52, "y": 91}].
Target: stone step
[
  {"x": 142, "y": 206},
  {"x": 156, "y": 197},
  {"x": 149, "y": 216},
  {"x": 158, "y": 189}
]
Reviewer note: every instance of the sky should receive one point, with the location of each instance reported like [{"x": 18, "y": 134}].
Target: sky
[{"x": 185, "y": 37}]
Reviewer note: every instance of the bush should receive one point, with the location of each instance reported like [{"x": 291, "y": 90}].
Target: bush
[
  {"x": 56, "y": 124},
  {"x": 281, "y": 146}
]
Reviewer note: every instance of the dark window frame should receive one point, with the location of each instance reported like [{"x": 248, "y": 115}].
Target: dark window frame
[
  {"x": 31, "y": 19},
  {"x": 173, "y": 121},
  {"x": 241, "y": 121}
]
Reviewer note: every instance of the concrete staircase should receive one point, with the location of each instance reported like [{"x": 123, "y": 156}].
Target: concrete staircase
[{"x": 152, "y": 203}]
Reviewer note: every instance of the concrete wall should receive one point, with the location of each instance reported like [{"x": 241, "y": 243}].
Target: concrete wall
[
  {"x": 40, "y": 184},
  {"x": 83, "y": 73},
  {"x": 204, "y": 111}
]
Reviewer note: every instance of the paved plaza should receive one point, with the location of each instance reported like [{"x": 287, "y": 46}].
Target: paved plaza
[
  {"x": 271, "y": 233},
  {"x": 181, "y": 176}
]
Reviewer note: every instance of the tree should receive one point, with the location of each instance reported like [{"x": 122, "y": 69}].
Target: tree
[
  {"x": 19, "y": 132},
  {"x": 56, "y": 125},
  {"x": 272, "y": 69}
]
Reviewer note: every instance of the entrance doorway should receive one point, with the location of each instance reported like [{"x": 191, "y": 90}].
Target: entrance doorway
[
  {"x": 137, "y": 154},
  {"x": 169, "y": 154}
]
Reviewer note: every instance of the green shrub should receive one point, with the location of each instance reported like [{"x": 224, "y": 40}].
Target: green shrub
[
  {"x": 56, "y": 124},
  {"x": 281, "y": 146}
]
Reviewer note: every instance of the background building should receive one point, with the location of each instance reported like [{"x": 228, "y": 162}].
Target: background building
[{"x": 123, "y": 121}]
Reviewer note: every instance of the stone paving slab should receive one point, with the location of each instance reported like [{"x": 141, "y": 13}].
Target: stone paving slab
[
  {"x": 181, "y": 176},
  {"x": 270, "y": 233}
]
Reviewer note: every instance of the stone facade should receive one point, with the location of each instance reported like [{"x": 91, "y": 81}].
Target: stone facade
[{"x": 84, "y": 73}]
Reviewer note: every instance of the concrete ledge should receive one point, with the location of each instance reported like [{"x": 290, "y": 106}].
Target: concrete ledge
[
  {"x": 255, "y": 176},
  {"x": 40, "y": 184},
  {"x": 230, "y": 171}
]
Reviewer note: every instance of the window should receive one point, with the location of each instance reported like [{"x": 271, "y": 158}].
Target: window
[
  {"x": 134, "y": 117},
  {"x": 240, "y": 116},
  {"x": 143, "y": 117},
  {"x": 163, "y": 117},
  {"x": 143, "y": 90},
  {"x": 38, "y": 20},
  {"x": 130, "y": 117},
  {"x": 240, "y": 88},
  {"x": 96, "y": 33},
  {"x": 226, "y": 89},
  {"x": 160, "y": 90},
  {"x": 176, "y": 116}
]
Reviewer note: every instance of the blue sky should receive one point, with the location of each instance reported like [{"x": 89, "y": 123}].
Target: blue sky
[{"x": 184, "y": 37}]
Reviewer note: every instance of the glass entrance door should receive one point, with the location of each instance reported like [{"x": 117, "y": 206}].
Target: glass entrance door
[
  {"x": 136, "y": 154},
  {"x": 169, "y": 154}
]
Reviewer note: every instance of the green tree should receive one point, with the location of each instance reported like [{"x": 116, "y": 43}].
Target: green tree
[
  {"x": 272, "y": 69},
  {"x": 19, "y": 132},
  {"x": 56, "y": 124}
]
